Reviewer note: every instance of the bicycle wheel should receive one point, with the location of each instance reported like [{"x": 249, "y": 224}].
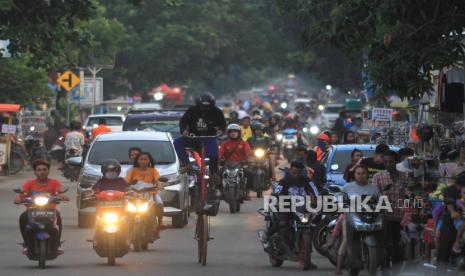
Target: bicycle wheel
[
  {"x": 198, "y": 236},
  {"x": 204, "y": 239}
]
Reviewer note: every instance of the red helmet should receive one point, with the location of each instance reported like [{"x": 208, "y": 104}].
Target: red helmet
[{"x": 323, "y": 136}]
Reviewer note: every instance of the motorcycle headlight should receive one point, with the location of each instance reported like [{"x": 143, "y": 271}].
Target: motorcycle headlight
[
  {"x": 259, "y": 153},
  {"x": 131, "y": 208},
  {"x": 279, "y": 137},
  {"x": 41, "y": 200},
  {"x": 110, "y": 218},
  {"x": 304, "y": 129},
  {"x": 142, "y": 208},
  {"x": 232, "y": 173},
  {"x": 314, "y": 130},
  {"x": 304, "y": 218}
]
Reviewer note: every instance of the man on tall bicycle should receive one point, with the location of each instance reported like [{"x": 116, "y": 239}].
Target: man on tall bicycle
[{"x": 202, "y": 119}]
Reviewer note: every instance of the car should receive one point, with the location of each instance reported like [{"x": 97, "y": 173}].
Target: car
[
  {"x": 175, "y": 195},
  {"x": 338, "y": 157},
  {"x": 330, "y": 114},
  {"x": 144, "y": 108},
  {"x": 112, "y": 121},
  {"x": 163, "y": 121}
]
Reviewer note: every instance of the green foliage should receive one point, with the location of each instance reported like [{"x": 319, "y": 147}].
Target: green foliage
[
  {"x": 22, "y": 84},
  {"x": 403, "y": 40}
]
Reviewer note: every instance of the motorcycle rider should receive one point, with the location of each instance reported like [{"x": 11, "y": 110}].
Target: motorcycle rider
[
  {"x": 360, "y": 187},
  {"x": 75, "y": 140},
  {"x": 293, "y": 183},
  {"x": 110, "y": 180},
  {"x": 322, "y": 146},
  {"x": 101, "y": 128},
  {"x": 234, "y": 149},
  {"x": 144, "y": 170},
  {"x": 202, "y": 119},
  {"x": 246, "y": 129},
  {"x": 42, "y": 184},
  {"x": 316, "y": 170}
]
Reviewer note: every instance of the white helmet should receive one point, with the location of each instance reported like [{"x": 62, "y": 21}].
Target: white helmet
[{"x": 235, "y": 127}]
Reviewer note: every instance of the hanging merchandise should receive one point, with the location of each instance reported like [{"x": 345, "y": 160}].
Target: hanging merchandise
[{"x": 452, "y": 90}]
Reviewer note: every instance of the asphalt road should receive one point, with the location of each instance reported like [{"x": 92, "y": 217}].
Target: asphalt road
[{"x": 235, "y": 249}]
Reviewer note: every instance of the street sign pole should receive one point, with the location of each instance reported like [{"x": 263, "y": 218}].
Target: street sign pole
[{"x": 94, "y": 70}]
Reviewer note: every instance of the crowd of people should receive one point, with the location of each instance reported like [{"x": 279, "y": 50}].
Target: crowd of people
[{"x": 246, "y": 130}]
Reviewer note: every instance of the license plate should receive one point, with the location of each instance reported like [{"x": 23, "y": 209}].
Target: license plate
[
  {"x": 118, "y": 203},
  {"x": 289, "y": 146},
  {"x": 45, "y": 214}
]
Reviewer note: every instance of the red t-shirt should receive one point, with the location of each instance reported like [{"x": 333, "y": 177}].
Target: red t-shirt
[{"x": 52, "y": 187}]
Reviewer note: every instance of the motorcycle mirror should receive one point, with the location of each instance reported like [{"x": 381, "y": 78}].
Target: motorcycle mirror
[
  {"x": 163, "y": 179},
  {"x": 19, "y": 191},
  {"x": 62, "y": 191},
  {"x": 74, "y": 161},
  {"x": 334, "y": 167}
]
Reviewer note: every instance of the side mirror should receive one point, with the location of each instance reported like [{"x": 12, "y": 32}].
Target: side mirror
[
  {"x": 163, "y": 179},
  {"x": 19, "y": 191},
  {"x": 74, "y": 161},
  {"x": 334, "y": 167},
  {"x": 334, "y": 188},
  {"x": 62, "y": 191}
]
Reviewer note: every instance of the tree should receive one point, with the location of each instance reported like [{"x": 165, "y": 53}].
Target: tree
[
  {"x": 43, "y": 28},
  {"x": 403, "y": 41},
  {"x": 22, "y": 84}
]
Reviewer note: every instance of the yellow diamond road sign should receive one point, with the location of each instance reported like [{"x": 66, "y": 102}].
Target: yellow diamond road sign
[{"x": 68, "y": 80}]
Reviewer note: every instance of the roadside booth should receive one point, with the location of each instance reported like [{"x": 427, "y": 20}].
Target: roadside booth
[{"x": 7, "y": 130}]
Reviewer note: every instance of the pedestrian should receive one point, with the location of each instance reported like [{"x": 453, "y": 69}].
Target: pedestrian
[
  {"x": 356, "y": 155},
  {"x": 349, "y": 137}
]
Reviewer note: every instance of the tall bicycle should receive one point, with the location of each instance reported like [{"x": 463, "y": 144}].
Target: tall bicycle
[{"x": 207, "y": 206}]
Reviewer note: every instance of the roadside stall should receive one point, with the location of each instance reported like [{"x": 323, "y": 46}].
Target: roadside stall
[{"x": 8, "y": 129}]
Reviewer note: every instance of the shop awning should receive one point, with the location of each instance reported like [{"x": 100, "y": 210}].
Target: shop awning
[{"x": 10, "y": 107}]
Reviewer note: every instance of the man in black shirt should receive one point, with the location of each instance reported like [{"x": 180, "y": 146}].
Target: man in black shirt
[
  {"x": 375, "y": 164},
  {"x": 203, "y": 119},
  {"x": 448, "y": 232}
]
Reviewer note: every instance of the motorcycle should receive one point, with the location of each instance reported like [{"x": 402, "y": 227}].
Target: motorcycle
[
  {"x": 141, "y": 216},
  {"x": 234, "y": 186},
  {"x": 364, "y": 233},
  {"x": 71, "y": 172},
  {"x": 57, "y": 152},
  {"x": 258, "y": 164},
  {"x": 292, "y": 242},
  {"x": 42, "y": 229},
  {"x": 289, "y": 143},
  {"x": 35, "y": 148},
  {"x": 111, "y": 238}
]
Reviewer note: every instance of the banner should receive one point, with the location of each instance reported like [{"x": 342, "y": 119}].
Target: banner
[{"x": 381, "y": 114}]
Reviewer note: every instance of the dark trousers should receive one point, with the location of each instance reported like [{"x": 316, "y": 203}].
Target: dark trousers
[
  {"x": 23, "y": 224},
  {"x": 211, "y": 149},
  {"x": 446, "y": 242},
  {"x": 392, "y": 237}
]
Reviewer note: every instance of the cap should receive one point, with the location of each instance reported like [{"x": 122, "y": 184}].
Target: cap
[{"x": 323, "y": 136}]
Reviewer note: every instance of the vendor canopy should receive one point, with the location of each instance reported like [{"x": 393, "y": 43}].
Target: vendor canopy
[{"x": 10, "y": 107}]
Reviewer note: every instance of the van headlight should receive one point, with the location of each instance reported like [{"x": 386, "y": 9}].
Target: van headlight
[
  {"x": 279, "y": 137},
  {"x": 88, "y": 181},
  {"x": 41, "y": 200},
  {"x": 173, "y": 179},
  {"x": 259, "y": 153}
]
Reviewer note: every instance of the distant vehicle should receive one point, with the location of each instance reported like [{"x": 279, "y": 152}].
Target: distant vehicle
[
  {"x": 330, "y": 114},
  {"x": 144, "y": 108},
  {"x": 163, "y": 121},
  {"x": 338, "y": 157},
  {"x": 113, "y": 121},
  {"x": 116, "y": 145}
]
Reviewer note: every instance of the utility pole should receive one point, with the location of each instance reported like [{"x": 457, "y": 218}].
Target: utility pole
[{"x": 94, "y": 70}]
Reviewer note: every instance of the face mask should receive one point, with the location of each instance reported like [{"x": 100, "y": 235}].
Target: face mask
[
  {"x": 111, "y": 175},
  {"x": 321, "y": 144}
]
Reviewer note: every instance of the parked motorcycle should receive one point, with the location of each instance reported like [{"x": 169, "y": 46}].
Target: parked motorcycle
[
  {"x": 259, "y": 165},
  {"x": 234, "y": 190},
  {"x": 289, "y": 143},
  {"x": 42, "y": 229},
  {"x": 364, "y": 234},
  {"x": 292, "y": 242},
  {"x": 141, "y": 215},
  {"x": 111, "y": 238}
]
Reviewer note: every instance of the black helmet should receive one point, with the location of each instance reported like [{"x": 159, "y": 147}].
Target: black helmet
[
  {"x": 234, "y": 115},
  {"x": 205, "y": 100},
  {"x": 258, "y": 125},
  {"x": 111, "y": 164}
]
